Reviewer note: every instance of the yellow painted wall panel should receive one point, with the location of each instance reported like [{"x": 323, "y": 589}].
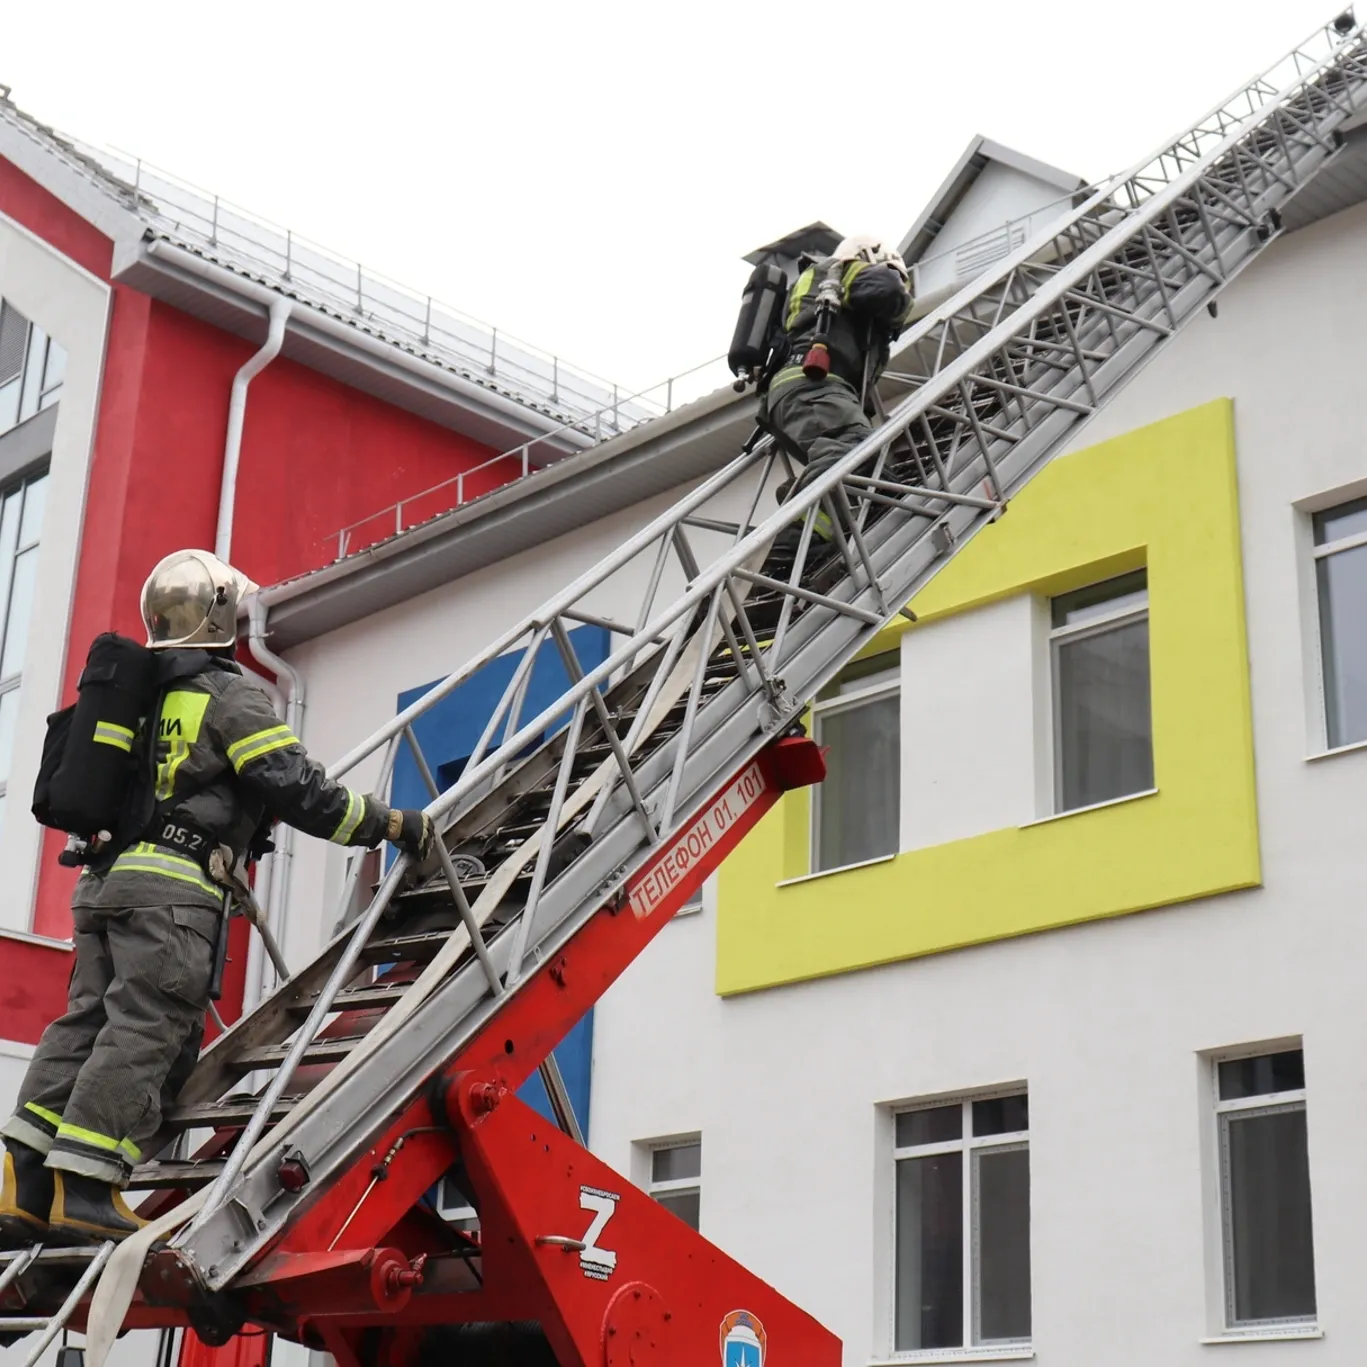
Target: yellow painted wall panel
[{"x": 1165, "y": 496}]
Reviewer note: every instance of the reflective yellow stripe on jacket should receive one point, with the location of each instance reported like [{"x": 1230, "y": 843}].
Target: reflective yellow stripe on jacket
[
  {"x": 148, "y": 858},
  {"x": 252, "y": 747},
  {"x": 182, "y": 716},
  {"x": 351, "y": 818}
]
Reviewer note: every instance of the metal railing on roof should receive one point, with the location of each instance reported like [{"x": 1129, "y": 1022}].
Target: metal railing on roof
[
  {"x": 604, "y": 424},
  {"x": 208, "y": 223}
]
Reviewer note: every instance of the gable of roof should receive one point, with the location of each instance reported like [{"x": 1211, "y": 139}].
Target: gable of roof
[{"x": 979, "y": 153}]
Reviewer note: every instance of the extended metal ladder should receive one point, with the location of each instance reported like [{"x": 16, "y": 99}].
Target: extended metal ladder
[{"x": 555, "y": 813}]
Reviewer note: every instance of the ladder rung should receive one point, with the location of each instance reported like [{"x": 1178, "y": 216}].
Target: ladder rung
[
  {"x": 330, "y": 1050},
  {"x": 50, "y": 1257},
  {"x": 218, "y": 1115},
  {"x": 400, "y": 948},
  {"x": 23, "y": 1326},
  {"x": 357, "y": 998},
  {"x": 156, "y": 1176}
]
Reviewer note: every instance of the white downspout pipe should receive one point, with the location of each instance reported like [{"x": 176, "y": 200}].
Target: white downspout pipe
[
  {"x": 287, "y": 679},
  {"x": 291, "y": 683},
  {"x": 237, "y": 412}
]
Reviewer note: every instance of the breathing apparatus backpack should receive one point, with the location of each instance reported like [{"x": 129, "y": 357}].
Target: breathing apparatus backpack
[
  {"x": 95, "y": 752},
  {"x": 758, "y": 325}
]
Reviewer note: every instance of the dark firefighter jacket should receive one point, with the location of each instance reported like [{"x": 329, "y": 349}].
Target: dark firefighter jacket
[
  {"x": 223, "y": 760},
  {"x": 874, "y": 308}
]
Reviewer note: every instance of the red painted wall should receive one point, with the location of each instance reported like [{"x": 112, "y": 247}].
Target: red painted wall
[
  {"x": 316, "y": 455},
  {"x": 32, "y": 988},
  {"x": 44, "y": 215}
]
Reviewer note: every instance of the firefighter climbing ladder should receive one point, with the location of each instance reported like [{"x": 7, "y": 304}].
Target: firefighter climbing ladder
[{"x": 572, "y": 835}]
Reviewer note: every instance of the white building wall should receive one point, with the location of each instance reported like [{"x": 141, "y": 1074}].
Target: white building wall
[
  {"x": 1105, "y": 1022},
  {"x": 72, "y": 306},
  {"x": 968, "y": 724}
]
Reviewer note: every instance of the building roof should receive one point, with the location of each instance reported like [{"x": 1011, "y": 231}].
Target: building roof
[
  {"x": 977, "y": 156},
  {"x": 431, "y": 358},
  {"x": 647, "y": 461}
]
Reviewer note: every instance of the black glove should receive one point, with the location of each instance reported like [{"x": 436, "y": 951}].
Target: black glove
[{"x": 411, "y": 831}]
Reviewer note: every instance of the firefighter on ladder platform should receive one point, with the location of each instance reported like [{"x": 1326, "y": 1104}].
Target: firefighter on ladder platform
[
  {"x": 840, "y": 319},
  {"x": 149, "y": 914}
]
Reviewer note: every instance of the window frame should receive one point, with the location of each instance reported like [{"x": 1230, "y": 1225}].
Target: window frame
[
  {"x": 848, "y": 702},
  {"x": 971, "y": 1146},
  {"x": 673, "y": 1186},
  {"x": 1318, "y": 553},
  {"x": 1262, "y": 1103},
  {"x": 1061, "y": 636},
  {"x": 14, "y": 682},
  {"x": 32, "y": 391}
]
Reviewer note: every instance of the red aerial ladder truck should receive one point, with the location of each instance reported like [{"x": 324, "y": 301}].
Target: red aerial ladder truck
[{"x": 571, "y": 838}]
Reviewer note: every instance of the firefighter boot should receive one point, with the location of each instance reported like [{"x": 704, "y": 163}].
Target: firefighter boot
[
  {"x": 86, "y": 1210},
  {"x": 25, "y": 1196}
]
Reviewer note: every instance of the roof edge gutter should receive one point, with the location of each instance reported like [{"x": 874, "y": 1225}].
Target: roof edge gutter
[{"x": 175, "y": 257}]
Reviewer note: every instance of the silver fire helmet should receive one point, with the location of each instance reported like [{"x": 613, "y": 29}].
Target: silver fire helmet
[{"x": 190, "y": 600}]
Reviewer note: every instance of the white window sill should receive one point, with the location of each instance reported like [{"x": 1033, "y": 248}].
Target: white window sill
[
  {"x": 827, "y": 873},
  {"x": 1021, "y": 1352},
  {"x": 1095, "y": 807},
  {"x": 29, "y": 939},
  {"x": 1337, "y": 750},
  {"x": 1268, "y": 1335}
]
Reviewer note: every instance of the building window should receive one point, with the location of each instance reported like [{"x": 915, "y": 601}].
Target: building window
[
  {"x": 1269, "y": 1257},
  {"x": 962, "y": 1258},
  {"x": 1103, "y": 730},
  {"x": 675, "y": 1178},
  {"x": 21, "y": 521},
  {"x": 1341, "y": 581},
  {"x": 856, "y": 811},
  {"x": 32, "y": 368}
]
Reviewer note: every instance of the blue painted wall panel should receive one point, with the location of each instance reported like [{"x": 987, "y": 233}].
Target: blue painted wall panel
[{"x": 448, "y": 734}]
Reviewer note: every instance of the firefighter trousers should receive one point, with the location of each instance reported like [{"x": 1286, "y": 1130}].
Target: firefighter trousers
[
  {"x": 104, "y": 1071},
  {"x": 823, "y": 420}
]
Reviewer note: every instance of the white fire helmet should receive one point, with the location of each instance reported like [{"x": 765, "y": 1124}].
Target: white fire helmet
[{"x": 868, "y": 248}]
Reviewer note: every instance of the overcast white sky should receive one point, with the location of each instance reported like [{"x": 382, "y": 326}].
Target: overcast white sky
[{"x": 587, "y": 175}]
